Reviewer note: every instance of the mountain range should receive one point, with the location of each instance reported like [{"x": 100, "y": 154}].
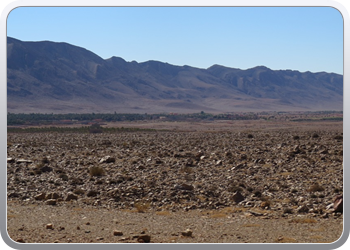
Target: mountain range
[{"x": 52, "y": 77}]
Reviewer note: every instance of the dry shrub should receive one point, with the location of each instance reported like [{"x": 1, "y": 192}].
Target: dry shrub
[
  {"x": 316, "y": 188},
  {"x": 303, "y": 220},
  {"x": 141, "y": 207},
  {"x": 218, "y": 215},
  {"x": 163, "y": 213},
  {"x": 316, "y": 237},
  {"x": 96, "y": 171},
  {"x": 251, "y": 225},
  {"x": 318, "y": 229},
  {"x": 11, "y": 216}
]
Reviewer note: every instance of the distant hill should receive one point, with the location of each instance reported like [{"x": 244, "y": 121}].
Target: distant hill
[{"x": 50, "y": 77}]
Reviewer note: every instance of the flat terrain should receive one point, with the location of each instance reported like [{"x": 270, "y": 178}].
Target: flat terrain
[{"x": 226, "y": 181}]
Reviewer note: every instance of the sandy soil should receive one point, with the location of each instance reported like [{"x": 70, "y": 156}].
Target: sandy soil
[{"x": 72, "y": 223}]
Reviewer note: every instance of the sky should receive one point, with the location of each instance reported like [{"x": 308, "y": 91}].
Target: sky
[{"x": 296, "y": 38}]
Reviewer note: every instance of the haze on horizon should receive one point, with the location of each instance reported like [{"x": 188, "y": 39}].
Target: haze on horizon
[{"x": 296, "y": 38}]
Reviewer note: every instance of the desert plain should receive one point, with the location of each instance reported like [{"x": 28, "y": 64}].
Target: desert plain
[{"x": 182, "y": 182}]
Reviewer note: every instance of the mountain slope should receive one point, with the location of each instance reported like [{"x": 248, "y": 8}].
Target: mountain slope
[{"x": 62, "y": 78}]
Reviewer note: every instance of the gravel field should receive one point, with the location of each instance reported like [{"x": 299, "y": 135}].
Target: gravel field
[{"x": 239, "y": 185}]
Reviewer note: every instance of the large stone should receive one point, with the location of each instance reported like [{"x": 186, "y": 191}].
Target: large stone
[
  {"x": 144, "y": 238},
  {"x": 302, "y": 209},
  {"x": 238, "y": 197},
  {"x": 10, "y": 160},
  {"x": 117, "y": 233},
  {"x": 338, "y": 203},
  {"x": 51, "y": 202},
  {"x": 52, "y": 196},
  {"x": 91, "y": 193},
  {"x": 71, "y": 196},
  {"x": 107, "y": 159},
  {"x": 187, "y": 233},
  {"x": 46, "y": 169},
  {"x": 24, "y": 161},
  {"x": 40, "y": 197}
]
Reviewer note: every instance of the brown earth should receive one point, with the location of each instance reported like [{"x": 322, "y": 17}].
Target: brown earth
[
  {"x": 233, "y": 183},
  {"x": 79, "y": 224}
]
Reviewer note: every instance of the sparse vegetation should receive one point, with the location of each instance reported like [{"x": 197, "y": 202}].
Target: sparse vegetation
[
  {"x": 316, "y": 188},
  {"x": 303, "y": 220},
  {"x": 96, "y": 171},
  {"x": 142, "y": 207}
]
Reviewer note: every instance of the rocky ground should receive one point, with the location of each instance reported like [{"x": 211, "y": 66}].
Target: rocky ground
[{"x": 258, "y": 179}]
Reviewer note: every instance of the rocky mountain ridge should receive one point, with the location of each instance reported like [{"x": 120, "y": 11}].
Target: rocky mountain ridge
[{"x": 50, "y": 77}]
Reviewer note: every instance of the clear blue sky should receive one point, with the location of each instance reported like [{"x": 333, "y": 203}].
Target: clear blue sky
[{"x": 297, "y": 38}]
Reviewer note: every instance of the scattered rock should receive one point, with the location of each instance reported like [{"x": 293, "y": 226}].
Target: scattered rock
[
  {"x": 51, "y": 202},
  {"x": 218, "y": 163},
  {"x": 191, "y": 174},
  {"x": 24, "y": 161},
  {"x": 338, "y": 204},
  {"x": 71, "y": 196},
  {"x": 52, "y": 196},
  {"x": 107, "y": 159},
  {"x": 46, "y": 169},
  {"x": 40, "y": 196},
  {"x": 13, "y": 195},
  {"x": 117, "y": 233},
  {"x": 238, "y": 197},
  {"x": 10, "y": 160},
  {"x": 302, "y": 209},
  {"x": 144, "y": 238},
  {"x": 184, "y": 186},
  {"x": 288, "y": 211},
  {"x": 187, "y": 233},
  {"x": 255, "y": 213},
  {"x": 91, "y": 193}
]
